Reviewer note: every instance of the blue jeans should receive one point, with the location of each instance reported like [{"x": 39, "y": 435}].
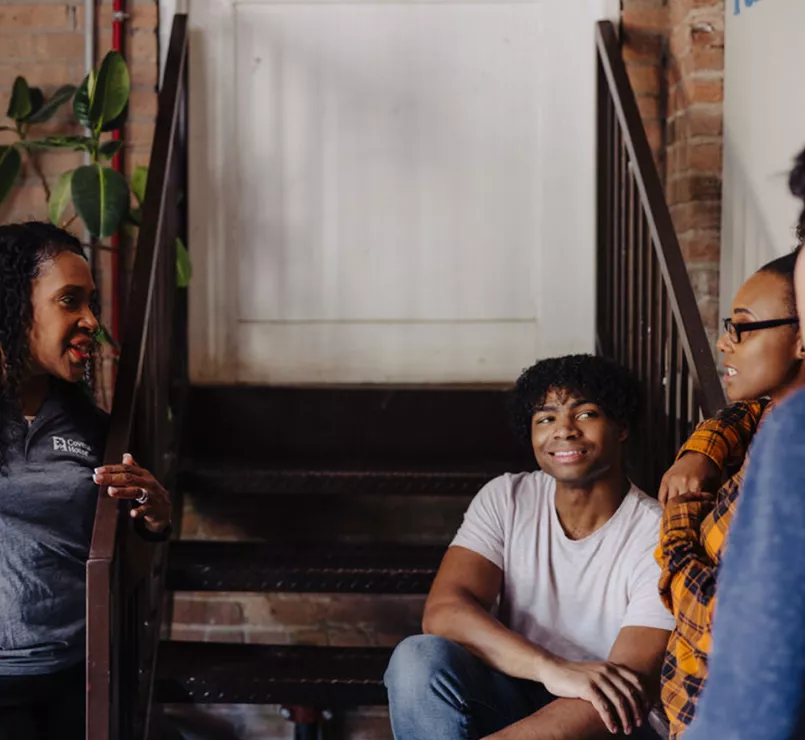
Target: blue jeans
[{"x": 440, "y": 691}]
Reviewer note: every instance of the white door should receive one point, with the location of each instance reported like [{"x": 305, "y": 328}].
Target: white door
[{"x": 390, "y": 191}]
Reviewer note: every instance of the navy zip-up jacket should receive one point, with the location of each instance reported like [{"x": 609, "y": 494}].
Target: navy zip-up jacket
[{"x": 47, "y": 509}]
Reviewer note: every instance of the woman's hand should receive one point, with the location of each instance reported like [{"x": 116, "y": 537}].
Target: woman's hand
[
  {"x": 616, "y": 692},
  {"x": 130, "y": 481},
  {"x": 693, "y": 472}
]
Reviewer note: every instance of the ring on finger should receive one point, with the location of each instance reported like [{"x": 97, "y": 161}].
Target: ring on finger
[{"x": 143, "y": 497}]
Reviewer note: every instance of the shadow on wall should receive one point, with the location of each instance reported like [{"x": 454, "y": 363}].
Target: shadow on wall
[{"x": 746, "y": 241}]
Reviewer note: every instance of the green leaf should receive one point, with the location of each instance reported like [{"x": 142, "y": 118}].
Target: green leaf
[
  {"x": 138, "y": 182},
  {"x": 49, "y": 108},
  {"x": 101, "y": 198},
  {"x": 60, "y": 197},
  {"x": 111, "y": 93},
  {"x": 117, "y": 122},
  {"x": 37, "y": 101},
  {"x": 81, "y": 102},
  {"x": 135, "y": 217},
  {"x": 108, "y": 149},
  {"x": 184, "y": 268},
  {"x": 10, "y": 164},
  {"x": 104, "y": 336},
  {"x": 76, "y": 143},
  {"x": 20, "y": 104}
]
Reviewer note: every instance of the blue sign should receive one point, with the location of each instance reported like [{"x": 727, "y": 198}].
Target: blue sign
[{"x": 747, "y": 3}]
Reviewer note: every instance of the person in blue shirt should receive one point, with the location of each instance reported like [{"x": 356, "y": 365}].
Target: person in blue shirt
[
  {"x": 756, "y": 686},
  {"x": 52, "y": 440}
]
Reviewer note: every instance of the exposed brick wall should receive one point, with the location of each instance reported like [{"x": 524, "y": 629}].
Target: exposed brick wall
[
  {"x": 43, "y": 40},
  {"x": 674, "y": 50}
]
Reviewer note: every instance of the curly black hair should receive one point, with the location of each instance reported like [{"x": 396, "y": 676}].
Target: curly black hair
[
  {"x": 784, "y": 267},
  {"x": 597, "y": 379},
  {"x": 23, "y": 249},
  {"x": 796, "y": 183}
]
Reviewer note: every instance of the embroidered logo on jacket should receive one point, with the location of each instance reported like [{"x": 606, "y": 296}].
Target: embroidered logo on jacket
[{"x": 75, "y": 447}]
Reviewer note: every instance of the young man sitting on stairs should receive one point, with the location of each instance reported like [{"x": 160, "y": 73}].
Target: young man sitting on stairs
[{"x": 544, "y": 620}]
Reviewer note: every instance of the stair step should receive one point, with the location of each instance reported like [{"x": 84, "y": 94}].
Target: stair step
[
  {"x": 301, "y": 567},
  {"x": 222, "y": 673},
  {"x": 221, "y": 480},
  {"x": 397, "y": 425}
]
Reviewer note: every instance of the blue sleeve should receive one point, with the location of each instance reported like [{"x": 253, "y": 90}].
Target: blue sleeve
[{"x": 756, "y": 683}]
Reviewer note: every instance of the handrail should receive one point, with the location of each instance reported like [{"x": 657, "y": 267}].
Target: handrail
[
  {"x": 647, "y": 316},
  {"x": 123, "y": 571}
]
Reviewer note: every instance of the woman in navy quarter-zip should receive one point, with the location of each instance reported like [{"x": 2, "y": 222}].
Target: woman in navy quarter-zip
[{"x": 51, "y": 444}]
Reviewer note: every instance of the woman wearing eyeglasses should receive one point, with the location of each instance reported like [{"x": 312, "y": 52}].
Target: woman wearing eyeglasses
[{"x": 763, "y": 353}]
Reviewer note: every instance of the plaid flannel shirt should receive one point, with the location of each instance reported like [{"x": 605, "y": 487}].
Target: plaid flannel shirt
[{"x": 692, "y": 539}]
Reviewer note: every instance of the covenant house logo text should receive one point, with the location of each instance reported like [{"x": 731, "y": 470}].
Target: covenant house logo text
[{"x": 60, "y": 444}]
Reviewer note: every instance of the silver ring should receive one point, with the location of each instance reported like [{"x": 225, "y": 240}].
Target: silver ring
[{"x": 143, "y": 497}]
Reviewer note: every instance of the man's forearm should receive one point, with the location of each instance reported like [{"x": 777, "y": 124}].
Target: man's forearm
[
  {"x": 562, "y": 719},
  {"x": 469, "y": 624}
]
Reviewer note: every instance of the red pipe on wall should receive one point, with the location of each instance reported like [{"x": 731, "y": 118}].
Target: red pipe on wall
[{"x": 118, "y": 18}]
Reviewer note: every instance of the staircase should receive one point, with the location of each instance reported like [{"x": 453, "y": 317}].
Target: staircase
[{"x": 331, "y": 490}]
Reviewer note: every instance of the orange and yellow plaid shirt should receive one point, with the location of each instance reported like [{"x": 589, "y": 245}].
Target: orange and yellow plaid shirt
[{"x": 692, "y": 540}]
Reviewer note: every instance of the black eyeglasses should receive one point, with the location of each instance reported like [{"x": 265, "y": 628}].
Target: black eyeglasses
[{"x": 735, "y": 330}]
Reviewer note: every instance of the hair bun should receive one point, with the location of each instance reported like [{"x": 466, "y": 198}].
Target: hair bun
[{"x": 796, "y": 181}]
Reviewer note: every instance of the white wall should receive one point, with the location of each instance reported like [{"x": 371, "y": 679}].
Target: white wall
[
  {"x": 298, "y": 274},
  {"x": 764, "y": 127}
]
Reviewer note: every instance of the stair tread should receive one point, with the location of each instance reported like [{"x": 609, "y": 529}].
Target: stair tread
[
  {"x": 197, "y": 477},
  {"x": 225, "y": 673},
  {"x": 196, "y": 565}
]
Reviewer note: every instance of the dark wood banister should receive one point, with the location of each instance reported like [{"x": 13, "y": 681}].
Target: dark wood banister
[
  {"x": 153, "y": 268},
  {"x": 666, "y": 244},
  {"x": 640, "y": 265}
]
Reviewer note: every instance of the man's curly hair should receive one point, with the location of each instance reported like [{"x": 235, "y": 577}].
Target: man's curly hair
[
  {"x": 23, "y": 249},
  {"x": 796, "y": 183},
  {"x": 599, "y": 380}
]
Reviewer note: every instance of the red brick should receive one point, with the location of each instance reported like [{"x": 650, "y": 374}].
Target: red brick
[
  {"x": 704, "y": 280},
  {"x": 138, "y": 157},
  {"x": 187, "y": 633},
  {"x": 139, "y": 133},
  {"x": 25, "y": 202},
  {"x": 642, "y": 48},
  {"x": 143, "y": 74},
  {"x": 706, "y": 157},
  {"x": 142, "y": 103},
  {"x": 708, "y": 58},
  {"x": 649, "y": 107},
  {"x": 697, "y": 215},
  {"x": 226, "y": 635},
  {"x": 645, "y": 18},
  {"x": 38, "y": 74},
  {"x": 51, "y": 46},
  {"x": 15, "y": 46},
  {"x": 704, "y": 90},
  {"x": 701, "y": 246},
  {"x": 198, "y": 609},
  {"x": 54, "y": 163},
  {"x": 644, "y": 80},
  {"x": 707, "y": 34},
  {"x": 705, "y": 122},
  {"x": 39, "y": 16},
  {"x": 695, "y": 187},
  {"x": 654, "y": 134},
  {"x": 142, "y": 15}
]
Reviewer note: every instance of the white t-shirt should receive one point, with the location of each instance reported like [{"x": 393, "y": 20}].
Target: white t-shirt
[{"x": 570, "y": 597}]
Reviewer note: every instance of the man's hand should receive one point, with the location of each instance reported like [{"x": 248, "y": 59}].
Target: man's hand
[
  {"x": 616, "y": 692},
  {"x": 693, "y": 472}
]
